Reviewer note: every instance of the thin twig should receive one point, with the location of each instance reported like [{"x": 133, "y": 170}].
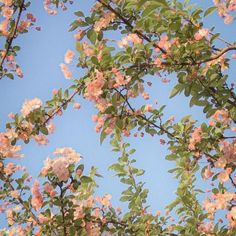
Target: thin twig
[
  {"x": 13, "y": 35},
  {"x": 21, "y": 201}
]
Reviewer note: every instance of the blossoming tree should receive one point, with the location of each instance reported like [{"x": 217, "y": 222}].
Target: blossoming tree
[{"x": 157, "y": 38}]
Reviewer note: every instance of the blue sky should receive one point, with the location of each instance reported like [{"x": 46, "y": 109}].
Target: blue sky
[{"x": 40, "y": 56}]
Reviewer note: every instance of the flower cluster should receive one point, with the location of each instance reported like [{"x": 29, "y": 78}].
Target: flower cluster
[
  {"x": 64, "y": 157},
  {"x": 225, "y": 7},
  {"x": 6, "y": 148},
  {"x": 130, "y": 38},
  {"x": 195, "y": 138},
  {"x": 30, "y": 105},
  {"x": 106, "y": 19}
]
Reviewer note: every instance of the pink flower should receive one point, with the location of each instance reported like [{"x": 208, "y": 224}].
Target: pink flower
[
  {"x": 233, "y": 56},
  {"x": 228, "y": 19},
  {"x": 133, "y": 38},
  {"x": 77, "y": 106},
  {"x": 104, "y": 21},
  {"x": 41, "y": 139},
  {"x": 195, "y": 138},
  {"x": 11, "y": 115},
  {"x": 66, "y": 72},
  {"x": 148, "y": 108},
  {"x": 79, "y": 35},
  {"x": 224, "y": 175},
  {"x": 7, "y": 2},
  {"x": 42, "y": 219},
  {"x": 23, "y": 26},
  {"x": 48, "y": 188},
  {"x": 55, "y": 91},
  {"x": 69, "y": 56},
  {"x": 145, "y": 95},
  {"x": 7, "y": 12},
  {"x": 79, "y": 213},
  {"x": 30, "y": 105},
  {"x": 207, "y": 173},
  {"x": 37, "y": 199},
  {"x": 4, "y": 27},
  {"x": 209, "y": 206},
  {"x": 94, "y": 87},
  {"x": 51, "y": 127},
  {"x": 19, "y": 72},
  {"x": 38, "y": 28},
  {"x": 14, "y": 194},
  {"x": 31, "y": 17},
  {"x": 201, "y": 34},
  {"x": 162, "y": 141},
  {"x": 93, "y": 229},
  {"x": 59, "y": 168},
  {"x": 9, "y": 169}
]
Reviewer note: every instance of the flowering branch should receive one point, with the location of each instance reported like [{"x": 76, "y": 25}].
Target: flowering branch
[
  {"x": 13, "y": 35},
  {"x": 21, "y": 201}
]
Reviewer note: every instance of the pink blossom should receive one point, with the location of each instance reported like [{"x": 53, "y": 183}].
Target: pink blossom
[
  {"x": 195, "y": 138},
  {"x": 132, "y": 38},
  {"x": 224, "y": 175},
  {"x": 69, "y": 56},
  {"x": 202, "y": 33},
  {"x": 24, "y": 25},
  {"x": 15, "y": 194},
  {"x": 207, "y": 173},
  {"x": 4, "y": 27},
  {"x": 79, "y": 35},
  {"x": 228, "y": 19},
  {"x": 79, "y": 213},
  {"x": 31, "y": 17},
  {"x": 11, "y": 115},
  {"x": 37, "y": 199},
  {"x": 60, "y": 169},
  {"x": 38, "y": 28},
  {"x": 145, "y": 95},
  {"x": 42, "y": 219},
  {"x": 7, "y": 2},
  {"x": 7, "y": 12},
  {"x": 30, "y": 105},
  {"x": 55, "y": 91},
  {"x": 148, "y": 108},
  {"x": 51, "y": 128},
  {"x": 41, "y": 139},
  {"x": 77, "y": 106},
  {"x": 104, "y": 21},
  {"x": 94, "y": 87},
  {"x": 66, "y": 72},
  {"x": 19, "y": 72},
  {"x": 9, "y": 169}
]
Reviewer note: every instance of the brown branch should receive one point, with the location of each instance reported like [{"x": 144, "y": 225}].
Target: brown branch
[
  {"x": 21, "y": 201},
  {"x": 13, "y": 35},
  {"x": 232, "y": 181},
  {"x": 126, "y": 22},
  {"x": 143, "y": 36},
  {"x": 62, "y": 212},
  {"x": 61, "y": 106}
]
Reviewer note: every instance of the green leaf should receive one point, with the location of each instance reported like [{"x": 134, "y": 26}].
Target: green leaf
[
  {"x": 209, "y": 11},
  {"x": 10, "y": 76},
  {"x": 85, "y": 179},
  {"x": 177, "y": 89},
  {"x": 92, "y": 36},
  {"x": 79, "y": 13},
  {"x": 43, "y": 130},
  {"x": 102, "y": 136}
]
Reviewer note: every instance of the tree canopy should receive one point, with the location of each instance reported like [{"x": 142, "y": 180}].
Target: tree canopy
[{"x": 122, "y": 46}]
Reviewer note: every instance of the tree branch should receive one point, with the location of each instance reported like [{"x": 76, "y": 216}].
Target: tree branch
[{"x": 13, "y": 35}]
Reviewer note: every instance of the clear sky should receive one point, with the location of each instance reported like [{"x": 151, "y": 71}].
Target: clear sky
[{"x": 40, "y": 56}]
